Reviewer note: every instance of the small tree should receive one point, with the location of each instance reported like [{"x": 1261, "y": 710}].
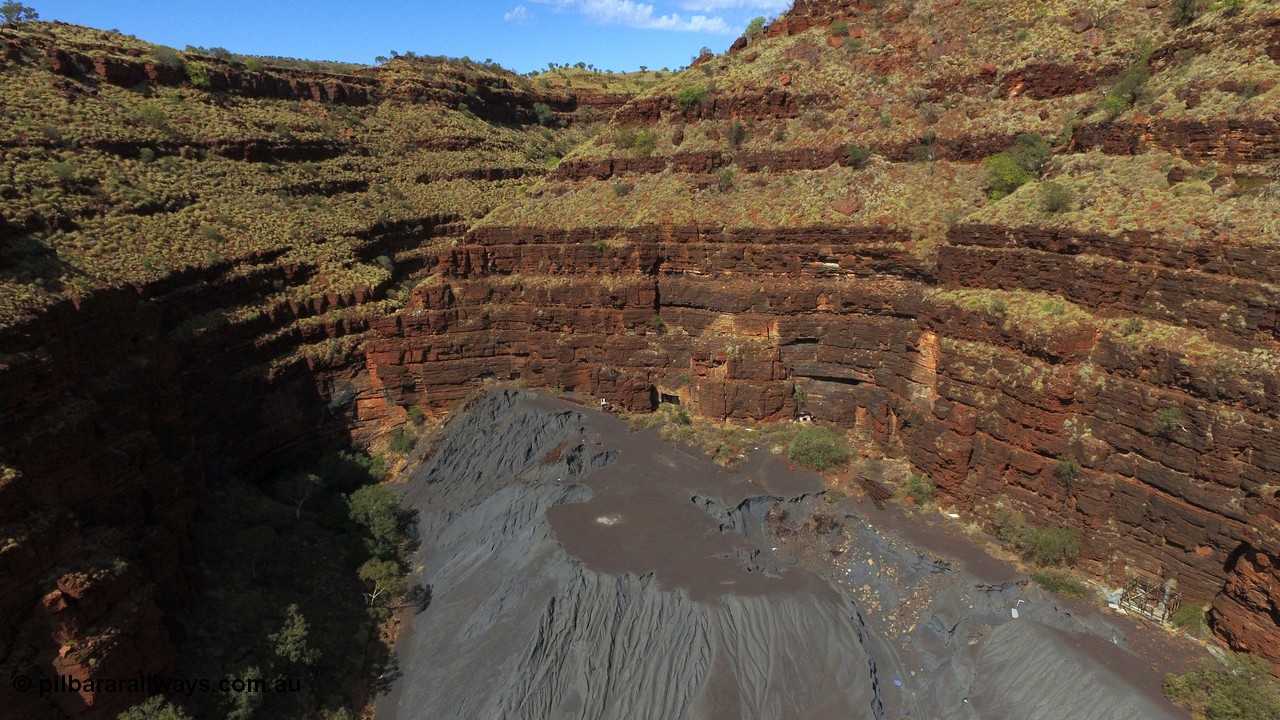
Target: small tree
[
  {"x": 1234, "y": 687},
  {"x": 298, "y": 489},
  {"x": 646, "y": 142},
  {"x": 401, "y": 442},
  {"x": 291, "y": 641},
  {"x": 1004, "y": 175},
  {"x": 737, "y": 134},
  {"x": 858, "y": 156},
  {"x": 199, "y": 76},
  {"x": 16, "y": 13},
  {"x": 724, "y": 180},
  {"x": 546, "y": 117},
  {"x": 1067, "y": 469},
  {"x": 377, "y": 510},
  {"x": 245, "y": 703},
  {"x": 689, "y": 96},
  {"x": 755, "y": 27},
  {"x": 384, "y": 580},
  {"x": 1126, "y": 89},
  {"x": 1184, "y": 12},
  {"x": 919, "y": 488},
  {"x": 167, "y": 57},
  {"x": 1168, "y": 420},
  {"x": 1056, "y": 197}
]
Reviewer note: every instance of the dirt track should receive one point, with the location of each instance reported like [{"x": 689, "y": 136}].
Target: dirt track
[{"x": 579, "y": 570}]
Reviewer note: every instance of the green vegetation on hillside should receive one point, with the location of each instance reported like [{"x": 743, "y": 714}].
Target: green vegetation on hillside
[
  {"x": 130, "y": 185},
  {"x": 819, "y": 448},
  {"x": 1048, "y": 546},
  {"x": 1235, "y": 687},
  {"x": 299, "y": 575}
]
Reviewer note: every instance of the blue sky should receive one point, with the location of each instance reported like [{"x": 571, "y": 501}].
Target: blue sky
[{"x": 521, "y": 34}]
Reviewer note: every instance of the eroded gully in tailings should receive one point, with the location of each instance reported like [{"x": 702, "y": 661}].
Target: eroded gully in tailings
[{"x": 582, "y": 571}]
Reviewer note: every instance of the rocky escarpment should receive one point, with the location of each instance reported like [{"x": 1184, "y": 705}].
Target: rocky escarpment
[{"x": 960, "y": 365}]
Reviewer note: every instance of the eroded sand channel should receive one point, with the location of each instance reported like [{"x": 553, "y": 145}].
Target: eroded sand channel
[{"x": 579, "y": 570}]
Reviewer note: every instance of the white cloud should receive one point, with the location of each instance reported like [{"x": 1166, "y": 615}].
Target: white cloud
[
  {"x": 630, "y": 13},
  {"x": 775, "y": 6},
  {"x": 518, "y": 14}
]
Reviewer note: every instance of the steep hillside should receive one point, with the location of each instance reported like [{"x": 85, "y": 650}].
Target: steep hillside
[
  {"x": 206, "y": 264},
  {"x": 192, "y": 253}
]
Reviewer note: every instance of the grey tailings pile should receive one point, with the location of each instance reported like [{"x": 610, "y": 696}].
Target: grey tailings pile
[{"x": 581, "y": 571}]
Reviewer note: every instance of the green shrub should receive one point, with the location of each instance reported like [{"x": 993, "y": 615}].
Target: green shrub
[
  {"x": 1184, "y": 12},
  {"x": 657, "y": 324},
  {"x": 150, "y": 113},
  {"x": 919, "y": 488},
  {"x": 377, "y": 511},
  {"x": 417, "y": 416},
  {"x": 1057, "y": 581},
  {"x": 625, "y": 138},
  {"x": 919, "y": 153},
  {"x": 1046, "y": 546},
  {"x": 253, "y": 64},
  {"x": 646, "y": 142},
  {"x": 401, "y": 442},
  {"x": 146, "y": 155},
  {"x": 1231, "y": 688},
  {"x": 210, "y": 233},
  {"x": 1126, "y": 89},
  {"x": 689, "y": 96},
  {"x": 839, "y": 28},
  {"x": 621, "y": 189},
  {"x": 737, "y": 134},
  {"x": 1132, "y": 326},
  {"x": 724, "y": 180},
  {"x": 1009, "y": 170},
  {"x": 546, "y": 117},
  {"x": 1031, "y": 151},
  {"x": 1193, "y": 619},
  {"x": 1067, "y": 469},
  {"x": 819, "y": 448},
  {"x": 1004, "y": 175},
  {"x": 199, "y": 76},
  {"x": 813, "y": 118},
  {"x": 64, "y": 171},
  {"x": 50, "y": 131},
  {"x": 1056, "y": 197},
  {"x": 167, "y": 57},
  {"x": 1053, "y": 307},
  {"x": 858, "y": 156},
  {"x": 1168, "y": 420},
  {"x": 754, "y": 27}
]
